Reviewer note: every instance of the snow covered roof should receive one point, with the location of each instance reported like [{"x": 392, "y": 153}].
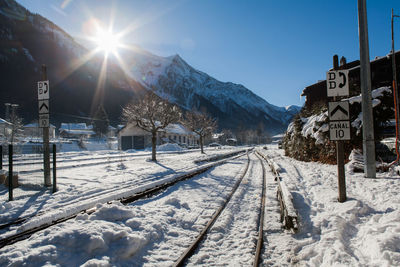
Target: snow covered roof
[
  {"x": 75, "y": 126},
  {"x": 2, "y": 121},
  {"x": 36, "y": 125},
  {"x": 77, "y": 131},
  {"x": 217, "y": 135},
  {"x": 177, "y": 128}
]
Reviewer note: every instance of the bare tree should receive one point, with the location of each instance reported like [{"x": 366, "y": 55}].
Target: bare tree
[
  {"x": 16, "y": 127},
  {"x": 201, "y": 124},
  {"x": 151, "y": 114}
]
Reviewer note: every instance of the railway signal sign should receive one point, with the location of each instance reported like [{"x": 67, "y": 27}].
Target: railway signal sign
[
  {"x": 44, "y": 106},
  {"x": 339, "y": 111},
  {"x": 339, "y": 130},
  {"x": 43, "y": 90},
  {"x": 337, "y": 83},
  {"x": 44, "y": 120}
]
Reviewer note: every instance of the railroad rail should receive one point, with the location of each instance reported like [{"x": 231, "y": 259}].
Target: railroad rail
[
  {"x": 288, "y": 212},
  {"x": 202, "y": 235},
  {"x": 150, "y": 189}
]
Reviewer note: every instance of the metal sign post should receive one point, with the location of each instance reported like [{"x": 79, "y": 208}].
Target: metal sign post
[
  {"x": 43, "y": 98},
  {"x": 339, "y": 124}
]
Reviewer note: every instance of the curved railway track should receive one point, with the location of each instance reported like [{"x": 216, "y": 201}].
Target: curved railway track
[{"x": 196, "y": 244}]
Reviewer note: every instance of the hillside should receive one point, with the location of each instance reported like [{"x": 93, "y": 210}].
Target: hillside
[{"x": 29, "y": 40}]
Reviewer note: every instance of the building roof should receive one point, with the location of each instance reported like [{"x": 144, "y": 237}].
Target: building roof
[
  {"x": 36, "y": 125},
  {"x": 74, "y": 126},
  {"x": 2, "y": 121},
  {"x": 177, "y": 128},
  {"x": 77, "y": 131}
]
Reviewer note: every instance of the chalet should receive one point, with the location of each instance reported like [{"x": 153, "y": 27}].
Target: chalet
[
  {"x": 76, "y": 130},
  {"x": 33, "y": 130},
  {"x": 381, "y": 75},
  {"x": 133, "y": 137}
]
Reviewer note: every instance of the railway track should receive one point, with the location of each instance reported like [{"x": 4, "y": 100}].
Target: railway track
[
  {"x": 96, "y": 161},
  {"x": 196, "y": 244},
  {"x": 148, "y": 189}
]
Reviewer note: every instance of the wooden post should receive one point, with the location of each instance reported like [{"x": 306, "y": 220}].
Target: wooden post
[
  {"x": 10, "y": 172},
  {"x": 340, "y": 153},
  {"x": 54, "y": 169},
  {"x": 46, "y": 148}
]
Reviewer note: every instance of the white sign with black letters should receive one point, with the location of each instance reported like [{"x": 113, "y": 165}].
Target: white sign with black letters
[
  {"x": 337, "y": 83},
  {"x": 44, "y": 120},
  {"x": 339, "y": 130},
  {"x": 43, "y": 90}
]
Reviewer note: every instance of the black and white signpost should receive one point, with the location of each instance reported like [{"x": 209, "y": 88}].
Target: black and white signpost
[
  {"x": 44, "y": 122},
  {"x": 339, "y": 118}
]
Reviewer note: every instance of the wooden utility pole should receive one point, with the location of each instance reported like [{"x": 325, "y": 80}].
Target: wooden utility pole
[
  {"x": 46, "y": 148},
  {"x": 340, "y": 152}
]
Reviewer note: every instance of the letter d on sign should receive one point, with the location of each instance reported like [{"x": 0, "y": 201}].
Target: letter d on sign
[{"x": 332, "y": 76}]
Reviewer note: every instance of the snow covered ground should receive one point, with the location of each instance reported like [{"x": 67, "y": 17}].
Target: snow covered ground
[{"x": 363, "y": 231}]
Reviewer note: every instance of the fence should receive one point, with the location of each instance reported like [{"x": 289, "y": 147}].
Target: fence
[{"x": 21, "y": 170}]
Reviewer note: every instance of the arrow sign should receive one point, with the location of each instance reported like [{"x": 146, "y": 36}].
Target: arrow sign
[
  {"x": 339, "y": 111},
  {"x": 43, "y": 106},
  {"x": 43, "y": 90}
]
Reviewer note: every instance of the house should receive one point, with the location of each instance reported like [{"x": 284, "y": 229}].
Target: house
[
  {"x": 133, "y": 137},
  {"x": 177, "y": 133},
  {"x": 381, "y": 75},
  {"x": 33, "y": 130},
  {"x": 76, "y": 130}
]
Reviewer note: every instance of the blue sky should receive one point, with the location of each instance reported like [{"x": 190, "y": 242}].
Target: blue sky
[{"x": 274, "y": 48}]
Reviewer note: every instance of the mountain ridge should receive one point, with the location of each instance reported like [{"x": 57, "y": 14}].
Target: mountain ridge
[{"x": 32, "y": 39}]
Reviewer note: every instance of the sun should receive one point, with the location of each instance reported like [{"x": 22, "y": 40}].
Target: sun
[{"x": 107, "y": 41}]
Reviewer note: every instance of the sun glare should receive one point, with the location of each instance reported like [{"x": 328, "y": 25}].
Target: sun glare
[{"x": 107, "y": 41}]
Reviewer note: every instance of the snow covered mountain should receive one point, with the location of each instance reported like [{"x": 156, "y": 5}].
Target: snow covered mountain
[
  {"x": 29, "y": 40},
  {"x": 172, "y": 78}
]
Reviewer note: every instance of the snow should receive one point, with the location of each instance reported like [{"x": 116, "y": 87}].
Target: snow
[
  {"x": 313, "y": 126},
  {"x": 363, "y": 231},
  {"x": 2, "y": 121},
  {"x": 28, "y": 54},
  {"x": 374, "y": 94},
  {"x": 169, "y": 147}
]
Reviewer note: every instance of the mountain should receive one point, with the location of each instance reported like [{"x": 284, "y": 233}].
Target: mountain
[
  {"x": 172, "y": 78},
  {"x": 28, "y": 40}
]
